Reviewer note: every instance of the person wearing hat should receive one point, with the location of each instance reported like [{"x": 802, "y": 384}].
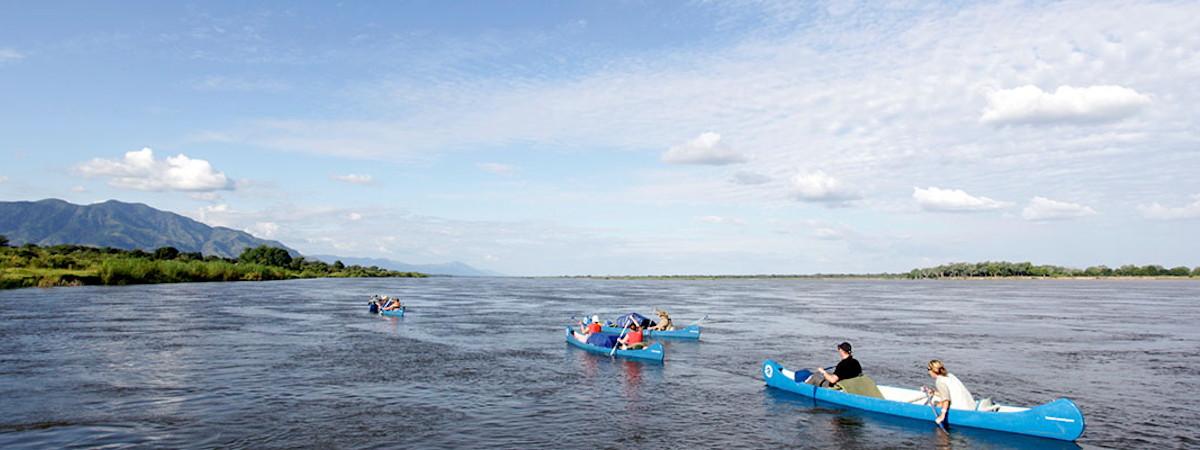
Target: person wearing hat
[
  {"x": 664, "y": 322},
  {"x": 591, "y": 327},
  {"x": 846, "y": 369}
]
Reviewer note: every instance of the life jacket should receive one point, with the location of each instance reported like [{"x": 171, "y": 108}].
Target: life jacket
[{"x": 634, "y": 337}]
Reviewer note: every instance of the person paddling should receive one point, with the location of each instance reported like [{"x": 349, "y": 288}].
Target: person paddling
[
  {"x": 949, "y": 392},
  {"x": 846, "y": 369},
  {"x": 393, "y": 304},
  {"x": 632, "y": 339},
  {"x": 591, "y": 327}
]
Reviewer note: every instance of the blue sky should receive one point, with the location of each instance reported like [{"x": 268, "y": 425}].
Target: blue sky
[{"x": 625, "y": 137}]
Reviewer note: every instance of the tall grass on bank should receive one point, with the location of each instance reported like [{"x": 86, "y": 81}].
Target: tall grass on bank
[
  {"x": 75, "y": 265},
  {"x": 124, "y": 271}
]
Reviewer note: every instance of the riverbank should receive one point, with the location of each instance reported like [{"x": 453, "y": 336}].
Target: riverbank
[{"x": 72, "y": 265}]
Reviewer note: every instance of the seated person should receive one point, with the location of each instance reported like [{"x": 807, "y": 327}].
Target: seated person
[
  {"x": 632, "y": 339},
  {"x": 846, "y": 369},
  {"x": 664, "y": 322},
  {"x": 393, "y": 304},
  {"x": 949, "y": 392},
  {"x": 591, "y": 327}
]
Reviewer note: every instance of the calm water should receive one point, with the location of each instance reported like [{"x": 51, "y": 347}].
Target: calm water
[{"x": 482, "y": 363}]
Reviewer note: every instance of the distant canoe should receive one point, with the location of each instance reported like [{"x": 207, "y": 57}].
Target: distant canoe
[
  {"x": 1059, "y": 419},
  {"x": 651, "y": 353},
  {"x": 393, "y": 313},
  {"x": 689, "y": 332}
]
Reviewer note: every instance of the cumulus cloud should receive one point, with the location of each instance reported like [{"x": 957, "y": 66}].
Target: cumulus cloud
[
  {"x": 9, "y": 54},
  {"x": 817, "y": 186},
  {"x": 1157, "y": 211},
  {"x": 705, "y": 149},
  {"x": 497, "y": 168},
  {"x": 1041, "y": 208},
  {"x": 264, "y": 229},
  {"x": 355, "y": 179},
  {"x": 1093, "y": 104},
  {"x": 953, "y": 200},
  {"x": 142, "y": 171}
]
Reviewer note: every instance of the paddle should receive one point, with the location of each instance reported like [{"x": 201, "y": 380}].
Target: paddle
[{"x": 943, "y": 425}]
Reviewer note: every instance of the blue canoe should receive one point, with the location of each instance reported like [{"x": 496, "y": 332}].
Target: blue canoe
[
  {"x": 393, "y": 313},
  {"x": 1059, "y": 419},
  {"x": 689, "y": 332},
  {"x": 651, "y": 353}
]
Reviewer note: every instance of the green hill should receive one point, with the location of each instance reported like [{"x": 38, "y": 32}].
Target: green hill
[{"x": 119, "y": 225}]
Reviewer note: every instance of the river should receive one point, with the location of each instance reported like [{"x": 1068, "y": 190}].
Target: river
[{"x": 481, "y": 363}]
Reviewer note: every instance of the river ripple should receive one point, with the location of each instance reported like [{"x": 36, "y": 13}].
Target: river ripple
[{"x": 481, "y": 363}]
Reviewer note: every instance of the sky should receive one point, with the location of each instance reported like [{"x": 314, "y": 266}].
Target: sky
[{"x": 625, "y": 137}]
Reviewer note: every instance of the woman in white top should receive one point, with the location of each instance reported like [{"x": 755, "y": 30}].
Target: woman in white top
[{"x": 949, "y": 392}]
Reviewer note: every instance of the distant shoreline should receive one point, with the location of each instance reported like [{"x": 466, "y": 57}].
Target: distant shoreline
[{"x": 867, "y": 277}]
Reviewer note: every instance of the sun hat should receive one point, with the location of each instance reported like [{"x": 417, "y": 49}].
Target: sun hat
[{"x": 595, "y": 318}]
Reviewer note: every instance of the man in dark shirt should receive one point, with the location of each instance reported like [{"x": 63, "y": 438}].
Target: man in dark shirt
[{"x": 846, "y": 369}]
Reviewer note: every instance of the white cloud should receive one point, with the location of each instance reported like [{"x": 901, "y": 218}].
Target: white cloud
[
  {"x": 354, "y": 217},
  {"x": 140, "y": 170},
  {"x": 79, "y": 189},
  {"x": 9, "y": 54},
  {"x": 817, "y": 186},
  {"x": 1159, "y": 212},
  {"x": 3, "y": 178},
  {"x": 234, "y": 84},
  {"x": 1093, "y": 104},
  {"x": 722, "y": 220},
  {"x": 355, "y": 179},
  {"x": 1041, "y": 208},
  {"x": 704, "y": 149},
  {"x": 497, "y": 168},
  {"x": 264, "y": 229},
  {"x": 206, "y": 196},
  {"x": 953, "y": 200}
]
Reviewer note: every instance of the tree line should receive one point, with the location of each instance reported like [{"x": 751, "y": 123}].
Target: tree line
[
  {"x": 1026, "y": 269},
  {"x": 74, "y": 265}
]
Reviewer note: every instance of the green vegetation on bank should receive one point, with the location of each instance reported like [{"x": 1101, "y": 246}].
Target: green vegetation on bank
[
  {"x": 986, "y": 269},
  {"x": 75, "y": 265},
  {"x": 991, "y": 269}
]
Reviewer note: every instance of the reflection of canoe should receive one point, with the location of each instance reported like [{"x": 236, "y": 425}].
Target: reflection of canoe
[
  {"x": 651, "y": 353},
  {"x": 689, "y": 332},
  {"x": 393, "y": 313},
  {"x": 1059, "y": 419}
]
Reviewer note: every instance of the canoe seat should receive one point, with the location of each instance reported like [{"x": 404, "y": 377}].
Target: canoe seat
[
  {"x": 860, "y": 385},
  {"x": 986, "y": 405}
]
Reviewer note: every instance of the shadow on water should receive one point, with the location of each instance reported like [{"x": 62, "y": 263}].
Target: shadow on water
[{"x": 836, "y": 423}]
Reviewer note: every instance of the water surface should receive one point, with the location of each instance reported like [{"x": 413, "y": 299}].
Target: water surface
[{"x": 482, "y": 363}]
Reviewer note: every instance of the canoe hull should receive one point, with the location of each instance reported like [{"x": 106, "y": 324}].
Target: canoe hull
[
  {"x": 393, "y": 313},
  {"x": 689, "y": 332},
  {"x": 1059, "y": 419},
  {"x": 652, "y": 353}
]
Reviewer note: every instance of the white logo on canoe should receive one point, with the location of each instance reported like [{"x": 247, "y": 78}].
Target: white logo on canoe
[
  {"x": 768, "y": 371},
  {"x": 1059, "y": 419}
]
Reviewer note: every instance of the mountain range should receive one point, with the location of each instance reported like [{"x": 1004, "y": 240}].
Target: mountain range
[
  {"x": 138, "y": 226},
  {"x": 119, "y": 225}
]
